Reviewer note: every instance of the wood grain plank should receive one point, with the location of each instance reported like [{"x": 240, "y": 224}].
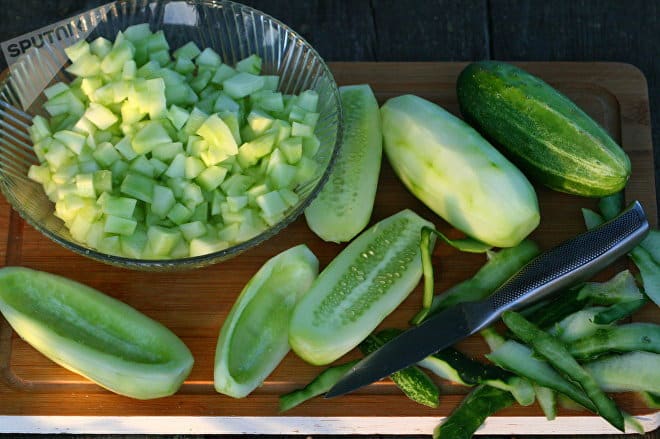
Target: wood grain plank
[{"x": 584, "y": 30}]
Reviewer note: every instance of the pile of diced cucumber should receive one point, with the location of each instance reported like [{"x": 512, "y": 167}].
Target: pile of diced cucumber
[{"x": 154, "y": 154}]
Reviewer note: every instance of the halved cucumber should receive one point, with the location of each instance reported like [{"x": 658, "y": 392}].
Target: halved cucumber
[
  {"x": 254, "y": 338},
  {"x": 358, "y": 289},
  {"x": 93, "y": 334},
  {"x": 344, "y": 205}
]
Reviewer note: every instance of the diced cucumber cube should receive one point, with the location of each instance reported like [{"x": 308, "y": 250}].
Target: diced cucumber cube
[
  {"x": 137, "y": 32},
  {"x": 119, "y": 170},
  {"x": 138, "y": 186},
  {"x": 105, "y": 154},
  {"x": 118, "y": 225},
  {"x": 194, "y": 167},
  {"x": 254, "y": 192},
  {"x": 220, "y": 139},
  {"x": 306, "y": 170},
  {"x": 152, "y": 134},
  {"x": 208, "y": 57},
  {"x": 84, "y": 127},
  {"x": 231, "y": 119},
  {"x": 242, "y": 84},
  {"x": 95, "y": 234},
  {"x": 271, "y": 83},
  {"x": 311, "y": 119},
  {"x": 179, "y": 214},
  {"x": 188, "y": 50},
  {"x": 118, "y": 206},
  {"x": 82, "y": 223},
  {"x": 192, "y": 195},
  {"x": 133, "y": 246},
  {"x": 297, "y": 114},
  {"x": 193, "y": 230},
  {"x": 201, "y": 80},
  {"x": 141, "y": 165},
  {"x": 77, "y": 49},
  {"x": 184, "y": 66},
  {"x": 206, "y": 244},
  {"x": 229, "y": 232},
  {"x": 251, "y": 64},
  {"x": 289, "y": 197},
  {"x": 129, "y": 70},
  {"x": 201, "y": 212},
  {"x": 217, "y": 200},
  {"x": 177, "y": 168},
  {"x": 166, "y": 152},
  {"x": 102, "y": 181},
  {"x": 55, "y": 89},
  {"x": 150, "y": 97},
  {"x": 308, "y": 100},
  {"x": 236, "y": 184},
  {"x": 131, "y": 113},
  {"x": 39, "y": 173},
  {"x": 250, "y": 229},
  {"x": 237, "y": 202},
  {"x": 292, "y": 148},
  {"x": 162, "y": 57},
  {"x": 259, "y": 121},
  {"x": 250, "y": 152},
  {"x": 225, "y": 103},
  {"x": 110, "y": 245},
  {"x": 100, "y": 116},
  {"x": 195, "y": 120},
  {"x": 282, "y": 176},
  {"x": 157, "y": 41},
  {"x": 271, "y": 204},
  {"x": 211, "y": 177},
  {"x": 223, "y": 73},
  {"x": 178, "y": 116},
  {"x": 163, "y": 200},
  {"x": 269, "y": 100},
  {"x": 74, "y": 141},
  {"x": 39, "y": 129},
  {"x": 86, "y": 65},
  {"x": 114, "y": 61},
  {"x": 159, "y": 167},
  {"x": 311, "y": 146},
  {"x": 85, "y": 185},
  {"x": 125, "y": 148},
  {"x": 301, "y": 130},
  {"x": 162, "y": 240}
]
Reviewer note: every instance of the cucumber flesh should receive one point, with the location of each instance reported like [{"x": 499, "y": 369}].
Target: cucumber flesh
[
  {"x": 343, "y": 207},
  {"x": 358, "y": 289},
  {"x": 254, "y": 338}
]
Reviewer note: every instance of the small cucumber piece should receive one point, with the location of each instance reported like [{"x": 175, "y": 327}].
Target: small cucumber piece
[
  {"x": 457, "y": 173},
  {"x": 344, "y": 205},
  {"x": 358, "y": 289},
  {"x": 543, "y": 131},
  {"x": 253, "y": 340},
  {"x": 93, "y": 334},
  {"x": 412, "y": 381}
]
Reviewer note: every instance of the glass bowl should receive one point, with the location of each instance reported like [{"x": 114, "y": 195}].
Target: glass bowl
[{"x": 234, "y": 31}]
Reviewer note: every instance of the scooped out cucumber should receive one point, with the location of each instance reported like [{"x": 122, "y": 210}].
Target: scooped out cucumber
[
  {"x": 93, "y": 334},
  {"x": 363, "y": 284},
  {"x": 343, "y": 207},
  {"x": 254, "y": 337},
  {"x": 544, "y": 132},
  {"x": 457, "y": 173}
]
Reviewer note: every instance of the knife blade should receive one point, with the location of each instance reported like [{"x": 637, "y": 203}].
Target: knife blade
[{"x": 570, "y": 262}]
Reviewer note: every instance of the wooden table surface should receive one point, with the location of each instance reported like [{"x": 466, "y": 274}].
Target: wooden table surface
[{"x": 438, "y": 30}]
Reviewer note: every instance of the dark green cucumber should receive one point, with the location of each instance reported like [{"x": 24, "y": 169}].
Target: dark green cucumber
[
  {"x": 412, "y": 381},
  {"x": 546, "y": 134}
]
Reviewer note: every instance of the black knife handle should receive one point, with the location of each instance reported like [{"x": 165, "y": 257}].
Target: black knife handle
[{"x": 571, "y": 262}]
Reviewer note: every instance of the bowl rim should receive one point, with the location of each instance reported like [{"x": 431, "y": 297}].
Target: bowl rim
[{"x": 200, "y": 261}]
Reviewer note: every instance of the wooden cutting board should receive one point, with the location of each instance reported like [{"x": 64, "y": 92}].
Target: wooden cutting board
[{"x": 38, "y": 396}]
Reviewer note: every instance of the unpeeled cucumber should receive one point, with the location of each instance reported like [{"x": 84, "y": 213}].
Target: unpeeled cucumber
[{"x": 344, "y": 205}]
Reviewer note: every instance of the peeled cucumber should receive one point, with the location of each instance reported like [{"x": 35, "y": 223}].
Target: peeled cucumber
[
  {"x": 93, "y": 334},
  {"x": 358, "y": 289},
  {"x": 344, "y": 205},
  {"x": 254, "y": 338},
  {"x": 457, "y": 173}
]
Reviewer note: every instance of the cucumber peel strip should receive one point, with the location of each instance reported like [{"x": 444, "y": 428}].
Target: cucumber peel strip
[{"x": 469, "y": 245}]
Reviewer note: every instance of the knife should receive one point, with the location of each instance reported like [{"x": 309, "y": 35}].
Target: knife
[{"x": 569, "y": 263}]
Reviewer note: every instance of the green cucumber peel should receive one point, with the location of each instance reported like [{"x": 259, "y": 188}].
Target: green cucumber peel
[
  {"x": 469, "y": 245},
  {"x": 556, "y": 354},
  {"x": 412, "y": 381},
  {"x": 93, "y": 334},
  {"x": 322, "y": 383},
  {"x": 254, "y": 337}
]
